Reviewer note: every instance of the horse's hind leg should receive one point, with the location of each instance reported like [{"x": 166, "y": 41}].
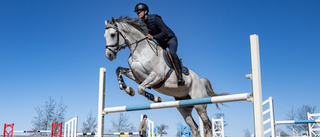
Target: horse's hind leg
[
  {"x": 186, "y": 113},
  {"x": 127, "y": 72},
  {"x": 202, "y": 112}
]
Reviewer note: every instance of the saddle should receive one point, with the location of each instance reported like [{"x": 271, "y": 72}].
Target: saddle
[{"x": 169, "y": 61}]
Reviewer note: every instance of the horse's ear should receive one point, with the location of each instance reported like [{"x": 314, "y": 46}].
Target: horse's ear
[
  {"x": 113, "y": 20},
  {"x": 106, "y": 22}
]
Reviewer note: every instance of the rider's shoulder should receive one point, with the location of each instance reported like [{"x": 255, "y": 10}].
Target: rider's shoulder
[{"x": 154, "y": 16}]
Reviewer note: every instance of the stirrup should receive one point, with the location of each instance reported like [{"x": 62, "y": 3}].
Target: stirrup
[{"x": 181, "y": 82}]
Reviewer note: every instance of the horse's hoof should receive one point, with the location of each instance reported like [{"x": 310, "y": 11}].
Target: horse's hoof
[
  {"x": 157, "y": 99},
  {"x": 130, "y": 91}
]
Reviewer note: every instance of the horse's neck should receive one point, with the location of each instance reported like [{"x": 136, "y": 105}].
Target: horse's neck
[
  {"x": 133, "y": 38},
  {"x": 143, "y": 50}
]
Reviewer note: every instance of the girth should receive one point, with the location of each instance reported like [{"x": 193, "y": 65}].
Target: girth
[{"x": 169, "y": 61}]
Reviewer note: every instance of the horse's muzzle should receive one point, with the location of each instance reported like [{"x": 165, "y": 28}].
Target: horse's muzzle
[{"x": 111, "y": 55}]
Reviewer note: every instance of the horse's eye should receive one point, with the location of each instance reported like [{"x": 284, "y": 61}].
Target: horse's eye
[{"x": 113, "y": 35}]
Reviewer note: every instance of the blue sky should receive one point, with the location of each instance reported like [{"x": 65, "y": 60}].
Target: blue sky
[{"x": 55, "y": 48}]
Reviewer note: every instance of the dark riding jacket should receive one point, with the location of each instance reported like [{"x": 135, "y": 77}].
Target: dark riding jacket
[{"x": 158, "y": 29}]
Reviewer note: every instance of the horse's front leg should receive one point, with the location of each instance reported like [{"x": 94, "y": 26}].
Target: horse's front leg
[
  {"x": 127, "y": 72},
  {"x": 152, "y": 79}
]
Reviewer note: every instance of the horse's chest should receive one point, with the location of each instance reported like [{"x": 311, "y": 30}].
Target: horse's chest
[{"x": 138, "y": 70}]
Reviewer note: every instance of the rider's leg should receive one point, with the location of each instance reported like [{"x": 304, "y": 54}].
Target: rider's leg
[{"x": 173, "y": 46}]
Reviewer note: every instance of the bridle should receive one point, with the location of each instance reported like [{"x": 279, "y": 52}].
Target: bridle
[{"x": 125, "y": 40}]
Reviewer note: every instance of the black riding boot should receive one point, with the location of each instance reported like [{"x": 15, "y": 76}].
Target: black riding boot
[{"x": 179, "y": 75}]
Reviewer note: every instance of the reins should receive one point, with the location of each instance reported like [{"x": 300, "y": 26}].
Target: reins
[{"x": 126, "y": 41}]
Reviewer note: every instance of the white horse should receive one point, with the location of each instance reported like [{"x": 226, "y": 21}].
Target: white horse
[{"x": 149, "y": 69}]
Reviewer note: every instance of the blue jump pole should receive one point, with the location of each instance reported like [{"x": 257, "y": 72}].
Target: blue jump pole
[
  {"x": 296, "y": 122},
  {"x": 181, "y": 103}
]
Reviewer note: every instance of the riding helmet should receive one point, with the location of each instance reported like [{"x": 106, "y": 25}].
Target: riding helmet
[
  {"x": 141, "y": 7},
  {"x": 145, "y": 116}
]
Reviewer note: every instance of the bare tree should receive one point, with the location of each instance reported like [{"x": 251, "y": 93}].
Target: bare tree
[
  {"x": 220, "y": 115},
  {"x": 90, "y": 124},
  {"x": 178, "y": 130},
  {"x": 162, "y": 129},
  {"x": 122, "y": 124},
  {"x": 282, "y": 133},
  {"x": 291, "y": 115},
  {"x": 60, "y": 112},
  {"x": 48, "y": 114},
  {"x": 247, "y": 133},
  {"x": 38, "y": 119},
  {"x": 300, "y": 114}
]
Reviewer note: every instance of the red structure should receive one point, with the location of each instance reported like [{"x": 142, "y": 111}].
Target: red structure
[
  {"x": 54, "y": 132},
  {"x": 8, "y": 134},
  {"x": 56, "y": 129}
]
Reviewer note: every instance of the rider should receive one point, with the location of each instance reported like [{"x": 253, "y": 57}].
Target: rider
[{"x": 159, "y": 31}]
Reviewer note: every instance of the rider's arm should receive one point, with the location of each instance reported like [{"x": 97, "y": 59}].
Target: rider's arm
[{"x": 163, "y": 27}]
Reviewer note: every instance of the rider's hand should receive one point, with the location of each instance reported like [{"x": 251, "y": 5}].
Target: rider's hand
[{"x": 149, "y": 37}]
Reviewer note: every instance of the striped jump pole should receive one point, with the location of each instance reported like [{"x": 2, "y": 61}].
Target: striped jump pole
[
  {"x": 256, "y": 97},
  {"x": 181, "y": 103},
  {"x": 296, "y": 122},
  {"x": 35, "y": 131},
  {"x": 122, "y": 133},
  {"x": 84, "y": 134}
]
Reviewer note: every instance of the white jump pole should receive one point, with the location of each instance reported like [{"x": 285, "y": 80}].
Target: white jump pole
[
  {"x": 101, "y": 102},
  {"x": 201, "y": 128},
  {"x": 255, "y": 76}
]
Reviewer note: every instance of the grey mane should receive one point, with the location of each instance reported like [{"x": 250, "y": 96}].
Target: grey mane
[{"x": 134, "y": 22}]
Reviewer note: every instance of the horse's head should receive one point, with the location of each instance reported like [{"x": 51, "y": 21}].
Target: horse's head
[{"x": 114, "y": 39}]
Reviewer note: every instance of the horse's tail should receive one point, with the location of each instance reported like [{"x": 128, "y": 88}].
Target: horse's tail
[{"x": 209, "y": 89}]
